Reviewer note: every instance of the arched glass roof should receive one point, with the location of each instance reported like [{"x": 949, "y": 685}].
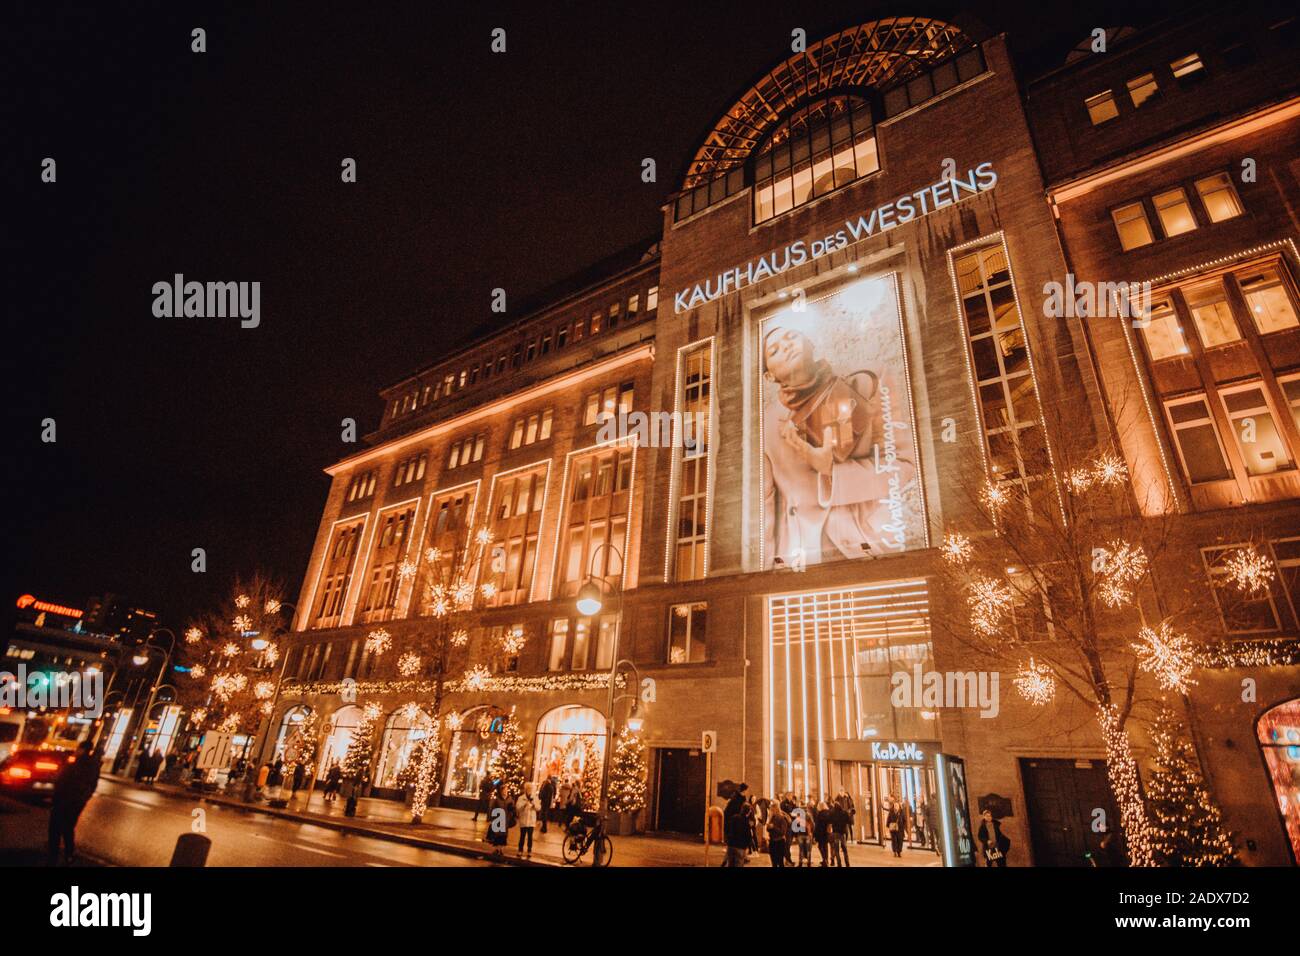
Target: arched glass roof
[{"x": 878, "y": 54}]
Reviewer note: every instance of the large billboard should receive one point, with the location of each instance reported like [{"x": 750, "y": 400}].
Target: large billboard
[{"x": 840, "y": 471}]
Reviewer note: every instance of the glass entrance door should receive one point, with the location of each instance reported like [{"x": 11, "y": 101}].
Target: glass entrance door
[
  {"x": 912, "y": 785},
  {"x": 857, "y": 779}
]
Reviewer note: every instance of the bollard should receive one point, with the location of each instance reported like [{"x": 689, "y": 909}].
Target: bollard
[{"x": 191, "y": 850}]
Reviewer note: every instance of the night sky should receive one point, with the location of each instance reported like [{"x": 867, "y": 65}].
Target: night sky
[{"x": 474, "y": 171}]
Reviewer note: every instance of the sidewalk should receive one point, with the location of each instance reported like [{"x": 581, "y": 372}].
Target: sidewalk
[{"x": 455, "y": 831}]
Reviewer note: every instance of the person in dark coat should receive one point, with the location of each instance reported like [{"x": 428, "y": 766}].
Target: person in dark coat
[
  {"x": 736, "y": 833},
  {"x": 333, "y": 777},
  {"x": 299, "y": 771},
  {"x": 822, "y": 829},
  {"x": 546, "y": 797},
  {"x": 993, "y": 840},
  {"x": 896, "y": 821},
  {"x": 276, "y": 777},
  {"x": 841, "y": 824},
  {"x": 500, "y": 813},
  {"x": 73, "y": 789}
]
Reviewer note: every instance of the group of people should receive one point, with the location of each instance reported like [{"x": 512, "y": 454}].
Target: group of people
[
  {"x": 790, "y": 825},
  {"x": 558, "y": 801}
]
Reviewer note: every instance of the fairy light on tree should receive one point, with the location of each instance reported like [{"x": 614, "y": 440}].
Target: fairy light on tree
[
  {"x": 476, "y": 678},
  {"x": 1167, "y": 655},
  {"x": 627, "y": 773},
  {"x": 1122, "y": 771},
  {"x": 1249, "y": 570},
  {"x": 242, "y": 623},
  {"x": 264, "y": 690},
  {"x": 408, "y": 665},
  {"x": 509, "y": 760},
  {"x": 378, "y": 641},
  {"x": 193, "y": 635},
  {"x": 1036, "y": 683},
  {"x": 957, "y": 548},
  {"x": 990, "y": 601},
  {"x": 231, "y": 649},
  {"x": 242, "y": 601}
]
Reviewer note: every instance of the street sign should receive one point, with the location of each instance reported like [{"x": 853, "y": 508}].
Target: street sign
[
  {"x": 709, "y": 741},
  {"x": 214, "y": 751}
]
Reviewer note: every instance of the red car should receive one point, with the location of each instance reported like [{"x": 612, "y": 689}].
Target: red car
[{"x": 33, "y": 772}]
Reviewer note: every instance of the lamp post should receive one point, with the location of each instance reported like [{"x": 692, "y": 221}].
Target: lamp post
[
  {"x": 140, "y": 659},
  {"x": 589, "y": 602}
]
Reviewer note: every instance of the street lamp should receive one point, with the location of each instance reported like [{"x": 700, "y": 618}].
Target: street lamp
[
  {"x": 251, "y": 770},
  {"x": 140, "y": 659}
]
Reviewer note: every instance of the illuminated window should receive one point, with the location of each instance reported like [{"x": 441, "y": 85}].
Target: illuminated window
[
  {"x": 1208, "y": 304},
  {"x": 822, "y": 147},
  {"x": 691, "y": 506},
  {"x": 1188, "y": 68},
  {"x": 1197, "y": 440},
  {"x": 546, "y": 343},
  {"x": 1262, "y": 447},
  {"x": 633, "y": 306},
  {"x": 1268, "y": 300},
  {"x": 530, "y": 429},
  {"x": 1008, "y": 398},
  {"x": 335, "y": 575},
  {"x": 1218, "y": 197},
  {"x": 613, "y": 316},
  {"x": 1132, "y": 226},
  {"x": 1142, "y": 88},
  {"x": 652, "y": 298},
  {"x": 1291, "y": 388},
  {"x": 466, "y": 450},
  {"x": 1102, "y": 107},
  {"x": 688, "y": 633},
  {"x": 409, "y": 470},
  {"x": 608, "y": 402},
  {"x": 516, "y": 521},
  {"x": 594, "y": 529},
  {"x": 595, "y": 323},
  {"x": 361, "y": 486},
  {"x": 562, "y": 337},
  {"x": 389, "y": 550},
  {"x": 1162, "y": 332},
  {"x": 1174, "y": 212}
]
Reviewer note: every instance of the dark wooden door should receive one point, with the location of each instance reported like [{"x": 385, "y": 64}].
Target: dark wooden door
[
  {"x": 679, "y": 790},
  {"x": 1062, "y": 797}
]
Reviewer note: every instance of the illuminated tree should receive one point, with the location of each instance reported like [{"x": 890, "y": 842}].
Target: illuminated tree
[
  {"x": 627, "y": 774},
  {"x": 592, "y": 769},
  {"x": 356, "y": 759},
  {"x": 1186, "y": 826},
  {"x": 510, "y": 760},
  {"x": 300, "y": 747}
]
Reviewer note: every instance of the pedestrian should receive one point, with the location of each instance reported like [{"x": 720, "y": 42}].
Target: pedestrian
[
  {"x": 333, "y": 777},
  {"x": 499, "y": 813},
  {"x": 73, "y": 789},
  {"x": 299, "y": 771},
  {"x": 931, "y": 825},
  {"x": 852, "y": 809},
  {"x": 822, "y": 829},
  {"x": 527, "y": 808},
  {"x": 841, "y": 824},
  {"x": 275, "y": 778},
  {"x": 545, "y": 799},
  {"x": 993, "y": 840},
  {"x": 735, "y": 831},
  {"x": 573, "y": 807},
  {"x": 801, "y": 825},
  {"x": 896, "y": 825},
  {"x": 484, "y": 797},
  {"x": 778, "y": 835}
]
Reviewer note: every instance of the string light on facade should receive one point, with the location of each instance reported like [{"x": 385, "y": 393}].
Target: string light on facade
[
  {"x": 378, "y": 641},
  {"x": 1036, "y": 683},
  {"x": 956, "y": 548},
  {"x": 454, "y": 720},
  {"x": 411, "y": 711},
  {"x": 1249, "y": 570},
  {"x": 372, "y": 711},
  {"x": 193, "y": 636},
  {"x": 501, "y": 683},
  {"x": 1168, "y": 655},
  {"x": 408, "y": 665}
]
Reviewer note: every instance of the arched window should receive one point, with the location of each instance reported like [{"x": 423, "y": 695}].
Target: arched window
[
  {"x": 818, "y": 148},
  {"x": 474, "y": 738},
  {"x": 567, "y": 738},
  {"x": 406, "y": 728},
  {"x": 342, "y": 723},
  {"x": 292, "y": 718},
  {"x": 1279, "y": 738}
]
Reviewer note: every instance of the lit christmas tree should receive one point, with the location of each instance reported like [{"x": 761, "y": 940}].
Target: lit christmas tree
[
  {"x": 356, "y": 761},
  {"x": 627, "y": 774},
  {"x": 591, "y": 770},
  {"x": 410, "y": 772},
  {"x": 1186, "y": 826},
  {"x": 300, "y": 748},
  {"x": 508, "y": 761}
]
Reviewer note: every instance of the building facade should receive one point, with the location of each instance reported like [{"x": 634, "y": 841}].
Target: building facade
[{"x": 752, "y": 434}]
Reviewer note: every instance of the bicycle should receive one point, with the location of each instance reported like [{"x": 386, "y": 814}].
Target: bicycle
[{"x": 579, "y": 840}]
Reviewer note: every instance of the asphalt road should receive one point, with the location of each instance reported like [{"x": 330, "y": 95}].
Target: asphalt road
[{"x": 128, "y": 827}]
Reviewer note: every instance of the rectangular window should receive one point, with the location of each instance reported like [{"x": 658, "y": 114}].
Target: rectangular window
[
  {"x": 1291, "y": 388},
  {"x": 1102, "y": 107},
  {"x": 562, "y": 337},
  {"x": 692, "y": 525},
  {"x": 546, "y": 344},
  {"x": 1187, "y": 69},
  {"x": 581, "y": 632},
  {"x": 1174, "y": 212},
  {"x": 1132, "y": 226},
  {"x": 595, "y": 520},
  {"x": 1162, "y": 333},
  {"x": 559, "y": 640},
  {"x": 688, "y": 633},
  {"x": 1197, "y": 439},
  {"x": 1262, "y": 447},
  {"x": 516, "y": 528},
  {"x": 1218, "y": 197},
  {"x": 1142, "y": 88},
  {"x": 652, "y": 298},
  {"x": 1268, "y": 300},
  {"x": 1208, "y": 303}
]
